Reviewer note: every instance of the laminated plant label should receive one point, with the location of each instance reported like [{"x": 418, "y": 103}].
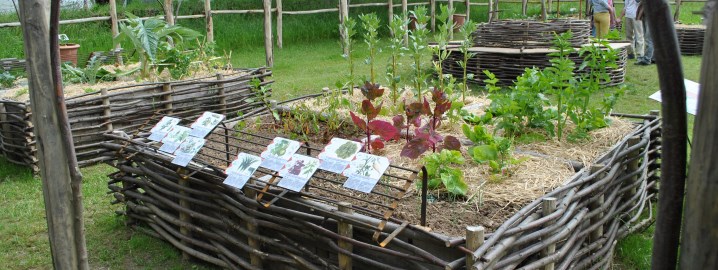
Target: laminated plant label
[
  {"x": 241, "y": 169},
  {"x": 205, "y": 124},
  {"x": 364, "y": 172},
  {"x": 174, "y": 138},
  {"x": 336, "y": 155},
  {"x": 187, "y": 150},
  {"x": 297, "y": 172},
  {"x": 160, "y": 130},
  {"x": 278, "y": 153}
]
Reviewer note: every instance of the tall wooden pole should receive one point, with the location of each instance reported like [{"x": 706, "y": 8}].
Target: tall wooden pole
[
  {"x": 280, "y": 24},
  {"x": 468, "y": 10},
  {"x": 343, "y": 16},
  {"x": 61, "y": 180},
  {"x": 169, "y": 17},
  {"x": 677, "y": 14},
  {"x": 432, "y": 11},
  {"x": 451, "y": 19},
  {"x": 390, "y": 10},
  {"x": 209, "y": 25},
  {"x": 700, "y": 232},
  {"x": 405, "y": 12},
  {"x": 268, "y": 45},
  {"x": 673, "y": 166},
  {"x": 113, "y": 24}
]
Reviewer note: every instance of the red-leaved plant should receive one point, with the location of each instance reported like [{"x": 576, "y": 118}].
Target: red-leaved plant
[
  {"x": 384, "y": 129},
  {"x": 425, "y": 136}
]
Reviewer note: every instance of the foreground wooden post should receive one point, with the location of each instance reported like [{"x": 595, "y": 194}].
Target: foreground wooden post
[
  {"x": 61, "y": 179},
  {"x": 169, "y": 17},
  {"x": 598, "y": 233},
  {"x": 474, "y": 239},
  {"x": 346, "y": 230},
  {"x": 268, "y": 44},
  {"x": 632, "y": 165},
  {"x": 254, "y": 259},
  {"x": 548, "y": 207},
  {"x": 405, "y": 12},
  {"x": 700, "y": 234},
  {"x": 184, "y": 217},
  {"x": 208, "y": 20},
  {"x": 279, "y": 24}
]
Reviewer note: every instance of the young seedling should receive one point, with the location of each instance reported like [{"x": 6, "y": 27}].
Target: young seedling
[
  {"x": 418, "y": 46},
  {"x": 467, "y": 42},
  {"x": 398, "y": 26},
  {"x": 348, "y": 46},
  {"x": 442, "y": 40},
  {"x": 370, "y": 22},
  {"x": 385, "y": 130},
  {"x": 440, "y": 172},
  {"x": 494, "y": 150},
  {"x": 426, "y": 137},
  {"x": 559, "y": 78}
]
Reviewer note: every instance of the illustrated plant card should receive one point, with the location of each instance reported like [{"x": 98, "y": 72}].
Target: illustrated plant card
[
  {"x": 296, "y": 173},
  {"x": 163, "y": 127},
  {"x": 241, "y": 169},
  {"x": 336, "y": 155},
  {"x": 174, "y": 138},
  {"x": 205, "y": 124},
  {"x": 189, "y": 147},
  {"x": 364, "y": 172},
  {"x": 278, "y": 153}
]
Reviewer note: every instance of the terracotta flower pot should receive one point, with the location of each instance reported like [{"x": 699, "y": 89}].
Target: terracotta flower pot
[
  {"x": 68, "y": 53},
  {"x": 412, "y": 22},
  {"x": 459, "y": 20}
]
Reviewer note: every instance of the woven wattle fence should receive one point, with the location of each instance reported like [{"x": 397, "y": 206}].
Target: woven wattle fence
[
  {"x": 262, "y": 226},
  {"x": 690, "y": 38},
  {"x": 530, "y": 34},
  {"x": 126, "y": 107},
  {"x": 508, "y": 63}
]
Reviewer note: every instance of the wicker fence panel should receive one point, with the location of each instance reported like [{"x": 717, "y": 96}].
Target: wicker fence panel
[
  {"x": 530, "y": 34},
  {"x": 690, "y": 38},
  {"x": 127, "y": 107},
  {"x": 192, "y": 210}
]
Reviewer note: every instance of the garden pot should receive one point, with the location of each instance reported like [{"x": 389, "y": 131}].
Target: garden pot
[
  {"x": 412, "y": 22},
  {"x": 459, "y": 20},
  {"x": 68, "y": 53}
]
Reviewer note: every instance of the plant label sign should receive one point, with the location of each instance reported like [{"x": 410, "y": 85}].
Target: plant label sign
[
  {"x": 160, "y": 130},
  {"x": 336, "y": 155},
  {"x": 364, "y": 172},
  {"x": 187, "y": 150},
  {"x": 278, "y": 153},
  {"x": 297, "y": 171},
  {"x": 174, "y": 138},
  {"x": 241, "y": 169},
  {"x": 205, "y": 124}
]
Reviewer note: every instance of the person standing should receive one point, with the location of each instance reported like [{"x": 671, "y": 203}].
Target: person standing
[
  {"x": 633, "y": 28},
  {"x": 602, "y": 14},
  {"x": 647, "y": 58}
]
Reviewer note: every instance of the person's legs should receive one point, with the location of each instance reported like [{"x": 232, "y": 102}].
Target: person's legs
[
  {"x": 602, "y": 23},
  {"x": 628, "y": 26},
  {"x": 648, "y": 40},
  {"x": 638, "y": 38}
]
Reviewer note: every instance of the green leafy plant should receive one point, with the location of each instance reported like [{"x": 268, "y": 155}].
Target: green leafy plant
[
  {"x": 442, "y": 39},
  {"x": 91, "y": 73},
  {"x": 494, "y": 150},
  {"x": 147, "y": 36},
  {"x": 385, "y": 130},
  {"x": 348, "y": 45},
  {"x": 559, "y": 78},
  {"x": 370, "y": 23},
  {"x": 418, "y": 46},
  {"x": 467, "y": 42},
  {"x": 441, "y": 173},
  {"x": 262, "y": 93},
  {"x": 398, "y": 26},
  {"x": 176, "y": 61},
  {"x": 7, "y": 80}
]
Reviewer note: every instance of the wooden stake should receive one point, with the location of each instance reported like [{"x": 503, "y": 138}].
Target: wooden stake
[
  {"x": 548, "y": 207},
  {"x": 184, "y": 217},
  {"x": 167, "y": 97},
  {"x": 280, "y": 25},
  {"x": 222, "y": 97},
  {"x": 633, "y": 165},
  {"x": 468, "y": 10},
  {"x": 491, "y": 10},
  {"x": 108, "y": 111},
  {"x": 343, "y": 16},
  {"x": 55, "y": 148},
  {"x": 543, "y": 10},
  {"x": 405, "y": 11},
  {"x": 113, "y": 24},
  {"x": 390, "y": 10},
  {"x": 525, "y": 4},
  {"x": 254, "y": 259},
  {"x": 208, "y": 20},
  {"x": 345, "y": 229},
  {"x": 451, "y": 20},
  {"x": 474, "y": 239},
  {"x": 169, "y": 17},
  {"x": 598, "y": 233},
  {"x": 268, "y": 44}
]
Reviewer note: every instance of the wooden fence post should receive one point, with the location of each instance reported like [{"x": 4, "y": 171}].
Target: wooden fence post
[
  {"x": 468, "y": 10},
  {"x": 490, "y": 11},
  {"x": 167, "y": 97},
  {"x": 405, "y": 12},
  {"x": 184, "y": 217},
  {"x": 208, "y": 20},
  {"x": 432, "y": 11},
  {"x": 268, "y": 44},
  {"x": 343, "y": 16},
  {"x": 633, "y": 165},
  {"x": 114, "y": 26},
  {"x": 390, "y": 10},
  {"x": 451, "y": 19},
  {"x": 221, "y": 93},
  {"x": 543, "y": 10},
  {"x": 525, "y": 4},
  {"x": 548, "y": 207},
  {"x": 677, "y": 14},
  {"x": 169, "y": 17},
  {"x": 474, "y": 239},
  {"x": 108, "y": 111},
  {"x": 598, "y": 233},
  {"x": 254, "y": 259},
  {"x": 346, "y": 230},
  {"x": 280, "y": 24}
]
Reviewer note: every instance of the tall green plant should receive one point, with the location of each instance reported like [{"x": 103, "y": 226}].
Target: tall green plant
[
  {"x": 467, "y": 42},
  {"x": 370, "y": 23},
  {"x": 348, "y": 28},
  {"x": 442, "y": 39},
  {"x": 418, "y": 46},
  {"x": 147, "y": 35},
  {"x": 398, "y": 26},
  {"x": 559, "y": 78}
]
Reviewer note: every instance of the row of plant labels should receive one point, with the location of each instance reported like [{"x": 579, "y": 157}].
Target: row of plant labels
[{"x": 340, "y": 156}]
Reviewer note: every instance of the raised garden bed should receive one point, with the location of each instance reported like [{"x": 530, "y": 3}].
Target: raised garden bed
[{"x": 690, "y": 38}]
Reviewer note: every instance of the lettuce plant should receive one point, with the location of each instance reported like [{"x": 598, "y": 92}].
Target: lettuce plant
[
  {"x": 440, "y": 172},
  {"x": 494, "y": 150}
]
